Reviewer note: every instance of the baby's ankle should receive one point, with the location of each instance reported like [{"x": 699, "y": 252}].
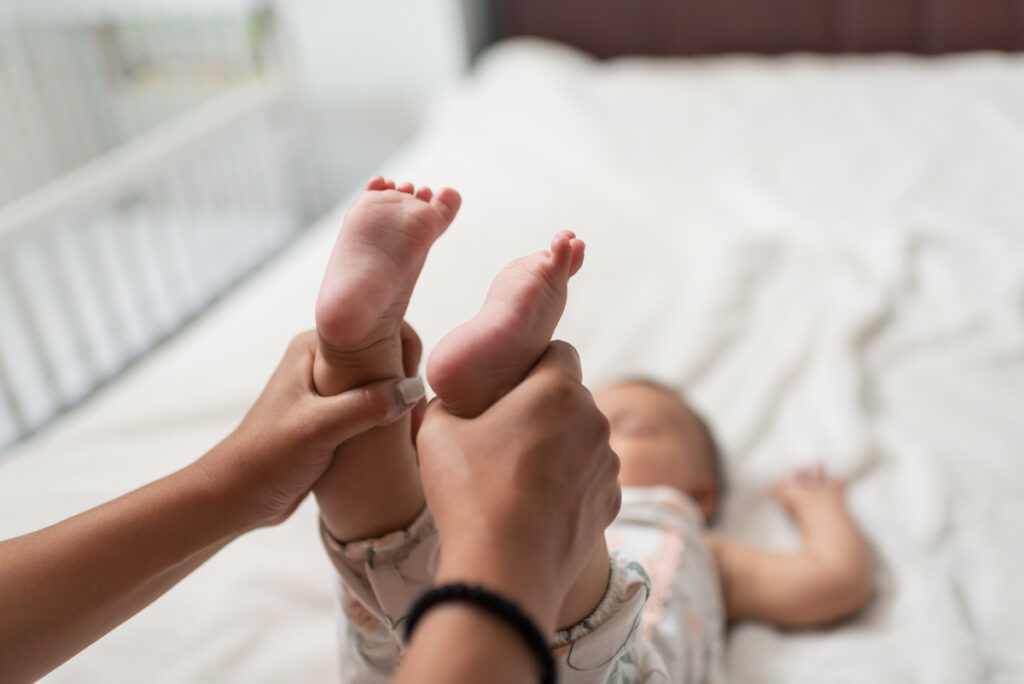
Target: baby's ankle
[{"x": 335, "y": 372}]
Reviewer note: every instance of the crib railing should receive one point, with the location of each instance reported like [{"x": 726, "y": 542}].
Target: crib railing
[
  {"x": 101, "y": 265},
  {"x": 78, "y": 79}
]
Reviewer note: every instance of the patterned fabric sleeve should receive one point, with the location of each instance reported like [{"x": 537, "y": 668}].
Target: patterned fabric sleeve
[
  {"x": 380, "y": 580},
  {"x": 606, "y": 646}
]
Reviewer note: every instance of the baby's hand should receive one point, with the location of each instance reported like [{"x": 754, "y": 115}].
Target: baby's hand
[{"x": 808, "y": 487}]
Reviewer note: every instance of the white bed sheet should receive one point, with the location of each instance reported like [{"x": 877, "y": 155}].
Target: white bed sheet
[{"x": 828, "y": 254}]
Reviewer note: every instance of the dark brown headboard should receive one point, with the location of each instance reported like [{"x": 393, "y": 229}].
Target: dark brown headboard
[{"x": 607, "y": 28}]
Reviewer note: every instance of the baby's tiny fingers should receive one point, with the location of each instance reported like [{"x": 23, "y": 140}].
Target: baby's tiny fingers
[{"x": 804, "y": 475}]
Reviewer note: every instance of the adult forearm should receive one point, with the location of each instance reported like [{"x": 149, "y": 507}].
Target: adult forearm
[
  {"x": 65, "y": 586},
  {"x": 460, "y": 644}
]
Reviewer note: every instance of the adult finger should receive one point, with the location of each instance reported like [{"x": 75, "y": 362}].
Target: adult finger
[
  {"x": 412, "y": 350},
  {"x": 560, "y": 365},
  {"x": 437, "y": 420},
  {"x": 560, "y": 357},
  {"x": 304, "y": 341},
  {"x": 418, "y": 412},
  {"x": 302, "y": 349},
  {"x": 298, "y": 360},
  {"x": 345, "y": 415},
  {"x": 412, "y": 354}
]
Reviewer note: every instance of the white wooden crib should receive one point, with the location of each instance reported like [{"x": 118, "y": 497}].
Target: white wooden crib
[{"x": 102, "y": 264}]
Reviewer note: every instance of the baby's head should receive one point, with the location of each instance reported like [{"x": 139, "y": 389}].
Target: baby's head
[{"x": 661, "y": 440}]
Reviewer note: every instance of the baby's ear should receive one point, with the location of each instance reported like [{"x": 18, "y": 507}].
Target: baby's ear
[{"x": 706, "y": 493}]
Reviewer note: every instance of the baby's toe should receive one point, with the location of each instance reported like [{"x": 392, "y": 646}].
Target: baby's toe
[
  {"x": 576, "y": 260},
  {"x": 447, "y": 202},
  {"x": 561, "y": 250}
]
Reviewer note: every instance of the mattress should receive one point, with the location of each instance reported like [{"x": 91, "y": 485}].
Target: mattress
[{"x": 827, "y": 254}]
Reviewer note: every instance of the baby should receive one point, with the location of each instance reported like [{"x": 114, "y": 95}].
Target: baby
[
  {"x": 652, "y": 609},
  {"x": 672, "y": 478}
]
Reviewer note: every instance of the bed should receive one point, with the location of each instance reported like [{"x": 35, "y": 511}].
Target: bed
[{"x": 824, "y": 252}]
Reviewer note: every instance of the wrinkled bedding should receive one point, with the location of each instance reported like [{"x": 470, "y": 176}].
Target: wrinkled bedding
[{"x": 827, "y": 254}]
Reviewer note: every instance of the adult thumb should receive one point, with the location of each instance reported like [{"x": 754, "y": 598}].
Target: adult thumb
[{"x": 345, "y": 415}]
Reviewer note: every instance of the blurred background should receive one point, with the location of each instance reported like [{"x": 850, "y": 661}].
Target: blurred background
[
  {"x": 806, "y": 214},
  {"x": 153, "y": 153}
]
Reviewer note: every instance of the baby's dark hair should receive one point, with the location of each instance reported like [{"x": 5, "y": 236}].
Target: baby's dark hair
[
  {"x": 714, "y": 453},
  {"x": 714, "y": 461}
]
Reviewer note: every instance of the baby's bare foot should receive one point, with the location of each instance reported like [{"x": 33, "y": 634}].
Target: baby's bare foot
[
  {"x": 808, "y": 488},
  {"x": 480, "y": 361},
  {"x": 376, "y": 260}
]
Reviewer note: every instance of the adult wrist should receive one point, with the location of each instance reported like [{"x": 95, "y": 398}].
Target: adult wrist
[
  {"x": 517, "y": 577},
  {"x": 239, "y": 500},
  {"x": 497, "y": 607}
]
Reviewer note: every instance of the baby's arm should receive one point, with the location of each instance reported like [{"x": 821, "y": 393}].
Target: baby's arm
[{"x": 828, "y": 579}]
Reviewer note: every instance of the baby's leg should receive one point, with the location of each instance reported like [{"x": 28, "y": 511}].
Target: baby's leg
[
  {"x": 481, "y": 360},
  {"x": 373, "y": 486}
]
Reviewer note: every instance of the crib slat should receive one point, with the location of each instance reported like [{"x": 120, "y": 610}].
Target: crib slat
[
  {"x": 12, "y": 401},
  {"x": 33, "y": 332},
  {"x": 130, "y": 291},
  {"x": 152, "y": 268},
  {"x": 72, "y": 313},
  {"x": 117, "y": 333},
  {"x": 182, "y": 245},
  {"x": 161, "y": 246}
]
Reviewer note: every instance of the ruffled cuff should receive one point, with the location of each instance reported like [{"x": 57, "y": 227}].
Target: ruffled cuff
[
  {"x": 387, "y": 573},
  {"x": 381, "y": 549},
  {"x": 614, "y": 626}
]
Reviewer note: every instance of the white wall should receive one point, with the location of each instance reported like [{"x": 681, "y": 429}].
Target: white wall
[
  {"x": 354, "y": 47},
  {"x": 370, "y": 71}
]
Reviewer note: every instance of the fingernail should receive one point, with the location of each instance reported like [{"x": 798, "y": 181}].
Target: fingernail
[{"x": 411, "y": 390}]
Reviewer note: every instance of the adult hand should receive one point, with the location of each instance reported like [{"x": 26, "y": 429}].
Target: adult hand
[
  {"x": 287, "y": 439},
  {"x": 521, "y": 493},
  {"x": 412, "y": 353},
  {"x": 64, "y": 586}
]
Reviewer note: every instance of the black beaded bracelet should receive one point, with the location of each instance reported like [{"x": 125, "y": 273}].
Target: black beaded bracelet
[{"x": 496, "y": 605}]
